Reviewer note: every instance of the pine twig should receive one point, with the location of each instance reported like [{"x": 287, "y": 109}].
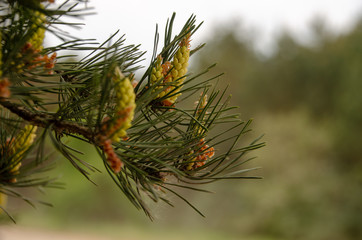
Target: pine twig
[{"x": 46, "y": 120}]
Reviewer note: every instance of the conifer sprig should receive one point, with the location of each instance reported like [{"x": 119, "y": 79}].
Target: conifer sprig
[{"x": 143, "y": 131}]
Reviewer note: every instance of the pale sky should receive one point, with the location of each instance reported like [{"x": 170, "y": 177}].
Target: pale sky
[{"x": 137, "y": 19}]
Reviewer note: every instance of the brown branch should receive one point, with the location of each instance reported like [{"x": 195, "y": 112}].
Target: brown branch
[{"x": 46, "y": 120}]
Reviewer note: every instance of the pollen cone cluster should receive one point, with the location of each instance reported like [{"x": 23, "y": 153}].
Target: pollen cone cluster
[
  {"x": 15, "y": 149},
  {"x": 157, "y": 76},
  {"x": 113, "y": 160},
  {"x": 203, "y": 151},
  {"x": 125, "y": 106},
  {"x": 37, "y": 38},
  {"x": 30, "y": 55},
  {"x": 172, "y": 72},
  {"x": 20, "y": 144},
  {"x": 200, "y": 105},
  {"x": 114, "y": 128}
]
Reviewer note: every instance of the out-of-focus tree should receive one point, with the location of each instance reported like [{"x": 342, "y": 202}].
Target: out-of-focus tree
[{"x": 323, "y": 81}]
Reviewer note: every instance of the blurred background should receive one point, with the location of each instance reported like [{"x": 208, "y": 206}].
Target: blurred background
[{"x": 295, "y": 68}]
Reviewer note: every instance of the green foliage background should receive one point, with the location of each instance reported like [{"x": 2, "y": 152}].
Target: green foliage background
[{"x": 308, "y": 101}]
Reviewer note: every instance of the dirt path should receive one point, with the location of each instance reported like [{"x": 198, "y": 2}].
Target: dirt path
[{"x": 22, "y": 233}]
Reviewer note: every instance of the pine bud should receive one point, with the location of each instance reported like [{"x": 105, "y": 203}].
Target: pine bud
[
  {"x": 157, "y": 75},
  {"x": 125, "y": 106},
  {"x": 18, "y": 146},
  {"x": 30, "y": 55},
  {"x": 204, "y": 153},
  {"x": 161, "y": 75},
  {"x": 22, "y": 143},
  {"x": 37, "y": 38},
  {"x": 201, "y": 104},
  {"x": 113, "y": 160},
  {"x": 179, "y": 70}
]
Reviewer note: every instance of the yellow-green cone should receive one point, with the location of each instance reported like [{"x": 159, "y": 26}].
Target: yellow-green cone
[
  {"x": 21, "y": 144},
  {"x": 157, "y": 76},
  {"x": 37, "y": 38},
  {"x": 179, "y": 66},
  {"x": 125, "y": 105}
]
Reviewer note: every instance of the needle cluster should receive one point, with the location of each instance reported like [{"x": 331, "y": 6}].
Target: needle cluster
[{"x": 150, "y": 140}]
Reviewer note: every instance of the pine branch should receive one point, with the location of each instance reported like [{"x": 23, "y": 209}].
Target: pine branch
[
  {"x": 45, "y": 120},
  {"x": 142, "y": 130}
]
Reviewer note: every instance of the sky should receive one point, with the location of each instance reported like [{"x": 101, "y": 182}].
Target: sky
[{"x": 138, "y": 19}]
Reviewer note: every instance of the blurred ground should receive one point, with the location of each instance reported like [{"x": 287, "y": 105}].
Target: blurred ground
[
  {"x": 19, "y": 233},
  {"x": 109, "y": 233}
]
